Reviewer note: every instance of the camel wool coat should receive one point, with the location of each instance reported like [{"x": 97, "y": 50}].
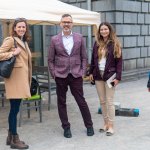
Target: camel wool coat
[{"x": 17, "y": 86}]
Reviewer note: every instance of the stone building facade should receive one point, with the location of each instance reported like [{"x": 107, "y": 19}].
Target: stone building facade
[{"x": 131, "y": 20}]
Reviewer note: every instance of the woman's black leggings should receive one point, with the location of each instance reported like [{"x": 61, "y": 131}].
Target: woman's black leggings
[{"x": 12, "y": 118}]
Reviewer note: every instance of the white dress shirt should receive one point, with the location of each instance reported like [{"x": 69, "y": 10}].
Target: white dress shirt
[{"x": 68, "y": 42}]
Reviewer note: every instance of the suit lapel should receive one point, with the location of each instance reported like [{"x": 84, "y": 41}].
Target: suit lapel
[
  {"x": 60, "y": 40},
  {"x": 74, "y": 43},
  {"x": 27, "y": 49}
]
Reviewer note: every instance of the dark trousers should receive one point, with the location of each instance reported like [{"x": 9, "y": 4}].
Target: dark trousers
[
  {"x": 12, "y": 118},
  {"x": 76, "y": 87}
]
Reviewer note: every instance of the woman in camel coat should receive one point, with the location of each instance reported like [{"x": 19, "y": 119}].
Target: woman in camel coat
[{"x": 18, "y": 85}]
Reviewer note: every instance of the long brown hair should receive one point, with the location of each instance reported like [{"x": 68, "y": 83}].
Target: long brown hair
[
  {"x": 111, "y": 38},
  {"x": 27, "y": 36}
]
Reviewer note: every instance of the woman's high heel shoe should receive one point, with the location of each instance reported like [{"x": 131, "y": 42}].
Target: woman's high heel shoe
[
  {"x": 104, "y": 129},
  {"x": 109, "y": 132}
]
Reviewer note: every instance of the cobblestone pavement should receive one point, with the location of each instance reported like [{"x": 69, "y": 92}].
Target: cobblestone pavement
[{"x": 131, "y": 133}]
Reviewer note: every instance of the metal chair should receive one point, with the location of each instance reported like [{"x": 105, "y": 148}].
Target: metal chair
[
  {"x": 35, "y": 102},
  {"x": 46, "y": 83}
]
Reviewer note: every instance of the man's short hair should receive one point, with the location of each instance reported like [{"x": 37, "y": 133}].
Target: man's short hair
[{"x": 66, "y": 15}]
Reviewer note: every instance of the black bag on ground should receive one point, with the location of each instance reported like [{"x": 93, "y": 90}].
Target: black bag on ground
[
  {"x": 6, "y": 66},
  {"x": 34, "y": 86}
]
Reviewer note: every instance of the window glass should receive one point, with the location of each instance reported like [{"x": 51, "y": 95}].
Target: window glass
[{"x": 36, "y": 45}]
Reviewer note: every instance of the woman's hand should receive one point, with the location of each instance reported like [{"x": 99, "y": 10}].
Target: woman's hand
[
  {"x": 16, "y": 51},
  {"x": 91, "y": 78},
  {"x": 115, "y": 82}
]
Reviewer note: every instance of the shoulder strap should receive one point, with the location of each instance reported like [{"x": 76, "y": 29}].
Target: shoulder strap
[{"x": 15, "y": 43}]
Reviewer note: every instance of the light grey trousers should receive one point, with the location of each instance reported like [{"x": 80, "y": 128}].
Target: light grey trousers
[{"x": 106, "y": 95}]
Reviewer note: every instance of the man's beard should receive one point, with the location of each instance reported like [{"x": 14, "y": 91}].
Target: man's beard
[{"x": 66, "y": 30}]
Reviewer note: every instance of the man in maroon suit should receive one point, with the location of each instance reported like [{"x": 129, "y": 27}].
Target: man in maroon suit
[{"x": 67, "y": 61}]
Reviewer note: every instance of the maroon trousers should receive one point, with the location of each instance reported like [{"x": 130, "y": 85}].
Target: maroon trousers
[{"x": 76, "y": 88}]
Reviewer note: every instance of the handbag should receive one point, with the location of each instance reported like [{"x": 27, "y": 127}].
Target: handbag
[
  {"x": 34, "y": 86},
  {"x": 6, "y": 66}
]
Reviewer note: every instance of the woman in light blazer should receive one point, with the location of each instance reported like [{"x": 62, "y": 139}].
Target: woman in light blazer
[{"x": 18, "y": 84}]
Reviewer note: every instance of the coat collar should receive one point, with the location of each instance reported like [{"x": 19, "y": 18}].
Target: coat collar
[
  {"x": 24, "y": 45},
  {"x": 20, "y": 42}
]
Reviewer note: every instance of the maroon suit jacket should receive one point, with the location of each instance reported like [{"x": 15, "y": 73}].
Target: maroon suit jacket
[
  {"x": 113, "y": 65},
  {"x": 60, "y": 63}
]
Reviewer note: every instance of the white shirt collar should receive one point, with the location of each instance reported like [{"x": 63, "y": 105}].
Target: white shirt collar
[{"x": 67, "y": 35}]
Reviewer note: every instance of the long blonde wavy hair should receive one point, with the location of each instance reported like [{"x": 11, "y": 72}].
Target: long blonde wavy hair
[{"x": 111, "y": 38}]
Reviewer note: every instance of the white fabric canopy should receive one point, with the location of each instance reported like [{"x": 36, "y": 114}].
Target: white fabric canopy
[{"x": 45, "y": 12}]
